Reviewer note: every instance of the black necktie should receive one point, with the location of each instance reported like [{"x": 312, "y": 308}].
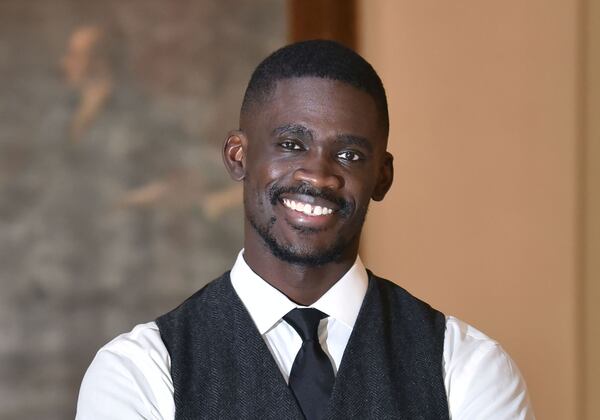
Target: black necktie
[{"x": 311, "y": 378}]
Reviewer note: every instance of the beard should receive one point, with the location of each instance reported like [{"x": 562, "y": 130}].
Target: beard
[{"x": 298, "y": 254}]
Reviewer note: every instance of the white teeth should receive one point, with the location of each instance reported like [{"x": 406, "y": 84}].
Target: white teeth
[{"x": 307, "y": 209}]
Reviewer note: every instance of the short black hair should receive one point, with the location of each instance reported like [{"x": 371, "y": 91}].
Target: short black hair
[{"x": 316, "y": 58}]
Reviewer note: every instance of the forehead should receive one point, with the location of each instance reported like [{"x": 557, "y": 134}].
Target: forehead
[{"x": 321, "y": 104}]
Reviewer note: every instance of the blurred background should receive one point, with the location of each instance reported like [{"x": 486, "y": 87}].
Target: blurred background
[{"x": 114, "y": 205}]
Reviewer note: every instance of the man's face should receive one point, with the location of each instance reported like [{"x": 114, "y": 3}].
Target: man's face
[{"x": 315, "y": 155}]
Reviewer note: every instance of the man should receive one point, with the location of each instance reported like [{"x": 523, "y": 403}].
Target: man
[{"x": 299, "y": 328}]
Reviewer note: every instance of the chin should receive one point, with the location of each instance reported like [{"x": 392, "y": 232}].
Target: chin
[
  {"x": 306, "y": 257},
  {"x": 305, "y": 254}
]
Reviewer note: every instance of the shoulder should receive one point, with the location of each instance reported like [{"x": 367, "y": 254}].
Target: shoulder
[
  {"x": 392, "y": 289},
  {"x": 404, "y": 304},
  {"x": 480, "y": 377},
  {"x": 208, "y": 298},
  {"x": 130, "y": 374},
  {"x": 142, "y": 339},
  {"x": 462, "y": 339}
]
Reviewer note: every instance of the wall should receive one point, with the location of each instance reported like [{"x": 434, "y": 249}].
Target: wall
[
  {"x": 114, "y": 203},
  {"x": 482, "y": 219}
]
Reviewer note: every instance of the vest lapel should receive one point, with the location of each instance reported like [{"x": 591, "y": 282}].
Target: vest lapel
[
  {"x": 259, "y": 365},
  {"x": 220, "y": 365},
  {"x": 384, "y": 372}
]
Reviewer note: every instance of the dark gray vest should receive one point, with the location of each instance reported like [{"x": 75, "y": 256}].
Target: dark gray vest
[{"x": 222, "y": 368}]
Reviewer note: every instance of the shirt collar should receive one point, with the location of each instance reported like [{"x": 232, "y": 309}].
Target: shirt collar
[{"x": 267, "y": 305}]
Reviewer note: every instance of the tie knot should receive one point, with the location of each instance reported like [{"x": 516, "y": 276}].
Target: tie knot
[{"x": 306, "y": 322}]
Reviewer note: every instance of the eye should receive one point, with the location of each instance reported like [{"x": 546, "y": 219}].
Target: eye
[
  {"x": 290, "y": 145},
  {"x": 349, "y": 155}
]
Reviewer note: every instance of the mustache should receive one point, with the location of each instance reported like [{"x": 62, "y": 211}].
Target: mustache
[{"x": 345, "y": 207}]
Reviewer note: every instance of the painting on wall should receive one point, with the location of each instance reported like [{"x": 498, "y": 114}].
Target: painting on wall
[{"x": 114, "y": 204}]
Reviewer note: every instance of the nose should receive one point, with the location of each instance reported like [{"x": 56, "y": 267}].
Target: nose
[{"x": 318, "y": 172}]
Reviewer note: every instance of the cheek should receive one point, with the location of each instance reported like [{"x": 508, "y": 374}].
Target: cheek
[
  {"x": 263, "y": 173},
  {"x": 361, "y": 188},
  {"x": 278, "y": 166},
  {"x": 257, "y": 185},
  {"x": 262, "y": 163}
]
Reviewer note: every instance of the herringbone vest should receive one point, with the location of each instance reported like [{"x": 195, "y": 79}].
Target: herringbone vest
[{"x": 222, "y": 369}]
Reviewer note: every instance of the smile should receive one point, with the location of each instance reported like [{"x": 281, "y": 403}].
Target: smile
[{"x": 306, "y": 208}]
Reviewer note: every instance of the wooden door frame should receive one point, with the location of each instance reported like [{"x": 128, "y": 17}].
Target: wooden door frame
[{"x": 324, "y": 19}]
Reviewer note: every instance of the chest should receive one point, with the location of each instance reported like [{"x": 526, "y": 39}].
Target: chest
[{"x": 223, "y": 368}]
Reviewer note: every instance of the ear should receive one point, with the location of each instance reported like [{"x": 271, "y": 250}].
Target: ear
[
  {"x": 234, "y": 154},
  {"x": 385, "y": 178}
]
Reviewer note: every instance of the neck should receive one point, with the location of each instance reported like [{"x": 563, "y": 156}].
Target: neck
[{"x": 303, "y": 284}]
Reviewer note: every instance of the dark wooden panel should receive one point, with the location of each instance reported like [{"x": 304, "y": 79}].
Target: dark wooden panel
[{"x": 327, "y": 19}]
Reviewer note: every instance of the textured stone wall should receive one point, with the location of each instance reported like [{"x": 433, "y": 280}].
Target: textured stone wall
[{"x": 113, "y": 202}]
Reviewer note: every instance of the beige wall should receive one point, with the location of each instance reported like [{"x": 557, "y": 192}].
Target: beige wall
[{"x": 482, "y": 220}]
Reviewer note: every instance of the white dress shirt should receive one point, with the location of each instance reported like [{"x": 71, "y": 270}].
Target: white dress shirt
[{"x": 130, "y": 377}]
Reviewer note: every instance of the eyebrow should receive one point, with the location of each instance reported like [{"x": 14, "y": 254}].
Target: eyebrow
[
  {"x": 349, "y": 139},
  {"x": 303, "y": 132},
  {"x": 293, "y": 129}
]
